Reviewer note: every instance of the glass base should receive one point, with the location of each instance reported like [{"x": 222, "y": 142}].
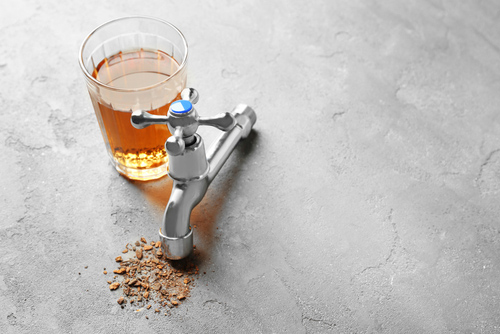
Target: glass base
[{"x": 142, "y": 174}]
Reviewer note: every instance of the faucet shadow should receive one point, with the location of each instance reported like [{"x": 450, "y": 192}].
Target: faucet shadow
[
  {"x": 204, "y": 215},
  {"x": 156, "y": 192}
]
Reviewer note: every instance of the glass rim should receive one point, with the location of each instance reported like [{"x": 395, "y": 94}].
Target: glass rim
[{"x": 91, "y": 78}]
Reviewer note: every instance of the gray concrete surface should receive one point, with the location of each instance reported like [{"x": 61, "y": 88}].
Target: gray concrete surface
[{"x": 366, "y": 201}]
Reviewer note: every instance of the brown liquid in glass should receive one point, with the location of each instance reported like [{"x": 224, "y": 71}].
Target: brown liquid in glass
[{"x": 134, "y": 148}]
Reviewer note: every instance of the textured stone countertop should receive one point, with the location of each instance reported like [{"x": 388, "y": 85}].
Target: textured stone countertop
[{"x": 366, "y": 201}]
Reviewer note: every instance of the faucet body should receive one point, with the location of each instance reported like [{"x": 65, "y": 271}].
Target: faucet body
[{"x": 190, "y": 167}]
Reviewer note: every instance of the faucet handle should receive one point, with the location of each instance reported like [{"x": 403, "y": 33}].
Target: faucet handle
[
  {"x": 175, "y": 145},
  {"x": 223, "y": 121},
  {"x": 190, "y": 94},
  {"x": 141, "y": 119}
]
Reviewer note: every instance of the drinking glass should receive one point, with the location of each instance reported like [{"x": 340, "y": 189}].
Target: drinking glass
[{"x": 134, "y": 63}]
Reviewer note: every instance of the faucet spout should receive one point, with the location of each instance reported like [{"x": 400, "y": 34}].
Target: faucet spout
[
  {"x": 176, "y": 233},
  {"x": 184, "y": 197}
]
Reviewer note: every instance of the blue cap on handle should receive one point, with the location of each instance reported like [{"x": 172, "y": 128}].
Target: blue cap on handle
[{"x": 181, "y": 106}]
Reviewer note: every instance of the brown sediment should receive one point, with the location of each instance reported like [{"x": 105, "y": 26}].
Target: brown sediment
[{"x": 146, "y": 276}]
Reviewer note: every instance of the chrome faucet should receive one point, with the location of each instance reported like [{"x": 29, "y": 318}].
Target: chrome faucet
[{"x": 189, "y": 167}]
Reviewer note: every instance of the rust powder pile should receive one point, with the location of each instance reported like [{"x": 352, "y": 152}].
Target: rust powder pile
[{"x": 145, "y": 277}]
